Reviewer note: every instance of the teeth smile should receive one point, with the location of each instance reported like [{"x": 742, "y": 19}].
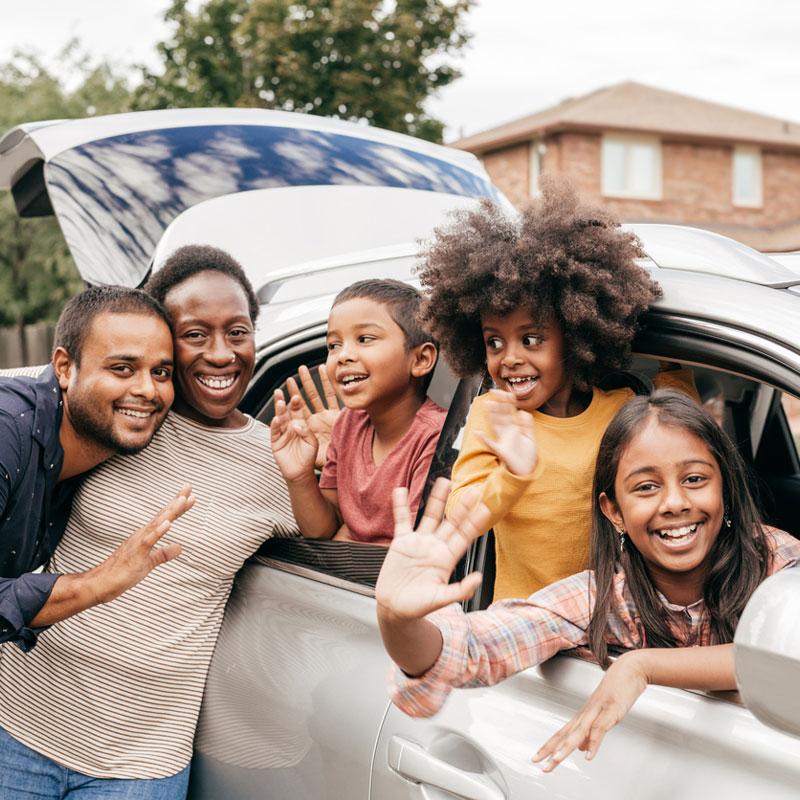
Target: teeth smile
[
  {"x": 352, "y": 379},
  {"x": 129, "y": 412},
  {"x": 217, "y": 383},
  {"x": 677, "y": 533}
]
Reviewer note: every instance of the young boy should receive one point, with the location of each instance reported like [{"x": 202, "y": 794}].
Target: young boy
[{"x": 380, "y": 362}]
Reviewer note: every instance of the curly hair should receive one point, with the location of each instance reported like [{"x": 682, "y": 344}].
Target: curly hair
[{"x": 568, "y": 262}]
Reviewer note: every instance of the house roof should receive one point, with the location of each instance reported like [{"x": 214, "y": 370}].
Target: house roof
[{"x": 631, "y": 106}]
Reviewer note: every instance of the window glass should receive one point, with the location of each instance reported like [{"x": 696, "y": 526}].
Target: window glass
[
  {"x": 631, "y": 167},
  {"x": 746, "y": 176}
]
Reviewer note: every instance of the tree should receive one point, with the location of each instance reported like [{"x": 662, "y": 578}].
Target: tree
[
  {"x": 37, "y": 274},
  {"x": 368, "y": 60}
]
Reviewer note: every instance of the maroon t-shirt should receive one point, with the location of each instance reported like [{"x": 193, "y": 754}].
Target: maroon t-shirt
[{"x": 365, "y": 490}]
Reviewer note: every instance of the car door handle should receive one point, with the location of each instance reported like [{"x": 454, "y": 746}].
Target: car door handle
[{"x": 412, "y": 762}]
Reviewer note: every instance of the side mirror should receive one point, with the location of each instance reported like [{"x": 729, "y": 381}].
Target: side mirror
[{"x": 767, "y": 647}]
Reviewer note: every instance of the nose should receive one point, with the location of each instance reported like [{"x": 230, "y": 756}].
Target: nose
[
  {"x": 145, "y": 386},
  {"x": 674, "y": 500},
  {"x": 218, "y": 352},
  {"x": 511, "y": 355},
  {"x": 345, "y": 353}
]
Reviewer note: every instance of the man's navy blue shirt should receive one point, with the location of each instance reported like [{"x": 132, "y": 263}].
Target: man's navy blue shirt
[{"x": 34, "y": 505}]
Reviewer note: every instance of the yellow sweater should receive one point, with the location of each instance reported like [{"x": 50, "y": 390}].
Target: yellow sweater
[{"x": 542, "y": 522}]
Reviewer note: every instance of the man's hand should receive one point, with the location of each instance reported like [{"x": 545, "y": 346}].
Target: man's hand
[
  {"x": 325, "y": 410},
  {"x": 415, "y": 577},
  {"x": 132, "y": 561},
  {"x": 513, "y": 441},
  {"x": 293, "y": 444},
  {"x": 138, "y": 555}
]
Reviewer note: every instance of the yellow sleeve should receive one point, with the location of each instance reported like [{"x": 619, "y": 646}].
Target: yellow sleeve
[
  {"x": 680, "y": 379},
  {"x": 476, "y": 464}
]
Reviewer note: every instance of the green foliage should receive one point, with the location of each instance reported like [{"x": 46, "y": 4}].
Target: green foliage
[
  {"x": 37, "y": 274},
  {"x": 368, "y": 60}
]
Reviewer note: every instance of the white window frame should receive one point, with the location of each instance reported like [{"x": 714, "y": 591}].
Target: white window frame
[
  {"x": 535, "y": 161},
  {"x": 757, "y": 199},
  {"x": 627, "y": 141}
]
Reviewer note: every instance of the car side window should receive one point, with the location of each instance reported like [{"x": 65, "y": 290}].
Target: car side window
[{"x": 353, "y": 565}]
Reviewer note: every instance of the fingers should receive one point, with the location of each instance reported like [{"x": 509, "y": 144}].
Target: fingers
[
  {"x": 164, "y": 554},
  {"x": 297, "y": 403},
  {"x": 401, "y": 511},
  {"x": 300, "y": 427},
  {"x": 310, "y": 388},
  {"x": 434, "y": 508},
  {"x": 584, "y": 732},
  {"x": 327, "y": 387},
  {"x": 463, "y": 590}
]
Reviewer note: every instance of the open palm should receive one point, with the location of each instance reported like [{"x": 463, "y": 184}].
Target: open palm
[
  {"x": 414, "y": 579},
  {"x": 294, "y": 446},
  {"x": 513, "y": 440}
]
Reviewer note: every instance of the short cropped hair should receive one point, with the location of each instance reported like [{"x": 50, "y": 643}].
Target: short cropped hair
[
  {"x": 76, "y": 319},
  {"x": 192, "y": 259},
  {"x": 402, "y": 301},
  {"x": 562, "y": 260}
]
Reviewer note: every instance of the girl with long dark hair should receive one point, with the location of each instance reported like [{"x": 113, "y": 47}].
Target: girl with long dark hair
[{"x": 677, "y": 550}]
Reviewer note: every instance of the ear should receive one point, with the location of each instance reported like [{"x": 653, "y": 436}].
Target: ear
[
  {"x": 424, "y": 359},
  {"x": 63, "y": 366},
  {"x": 611, "y": 511}
]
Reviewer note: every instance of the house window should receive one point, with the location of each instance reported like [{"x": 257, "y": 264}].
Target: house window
[
  {"x": 747, "y": 177},
  {"x": 536, "y": 159},
  {"x": 631, "y": 167}
]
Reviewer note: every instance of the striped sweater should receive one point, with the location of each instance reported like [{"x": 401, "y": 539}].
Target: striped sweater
[{"x": 115, "y": 691}]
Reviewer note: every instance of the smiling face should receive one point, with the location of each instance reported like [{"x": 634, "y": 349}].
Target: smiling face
[
  {"x": 120, "y": 393},
  {"x": 368, "y": 361},
  {"x": 526, "y": 358},
  {"x": 669, "y": 500},
  {"x": 214, "y": 347}
]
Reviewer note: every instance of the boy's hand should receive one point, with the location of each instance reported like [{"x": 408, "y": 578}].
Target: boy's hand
[
  {"x": 513, "y": 441},
  {"x": 619, "y": 689},
  {"x": 320, "y": 421},
  {"x": 414, "y": 579},
  {"x": 293, "y": 444}
]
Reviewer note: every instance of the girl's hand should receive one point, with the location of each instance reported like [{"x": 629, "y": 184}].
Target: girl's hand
[
  {"x": 619, "y": 689},
  {"x": 513, "y": 441},
  {"x": 414, "y": 579},
  {"x": 293, "y": 444},
  {"x": 320, "y": 422}
]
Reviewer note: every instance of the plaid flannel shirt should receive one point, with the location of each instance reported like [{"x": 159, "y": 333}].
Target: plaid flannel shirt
[{"x": 484, "y": 647}]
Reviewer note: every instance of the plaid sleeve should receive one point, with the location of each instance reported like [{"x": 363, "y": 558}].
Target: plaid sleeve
[
  {"x": 484, "y": 647},
  {"x": 785, "y": 549}
]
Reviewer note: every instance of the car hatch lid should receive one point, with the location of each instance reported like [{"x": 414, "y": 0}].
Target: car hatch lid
[{"x": 116, "y": 183}]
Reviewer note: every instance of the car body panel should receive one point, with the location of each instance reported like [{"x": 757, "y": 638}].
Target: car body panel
[{"x": 294, "y": 708}]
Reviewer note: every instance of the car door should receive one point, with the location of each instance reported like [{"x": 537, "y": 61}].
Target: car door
[{"x": 673, "y": 743}]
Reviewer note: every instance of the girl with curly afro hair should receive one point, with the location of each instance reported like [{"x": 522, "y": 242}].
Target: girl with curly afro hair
[{"x": 547, "y": 304}]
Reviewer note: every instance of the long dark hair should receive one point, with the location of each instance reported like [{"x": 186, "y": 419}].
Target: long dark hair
[{"x": 738, "y": 561}]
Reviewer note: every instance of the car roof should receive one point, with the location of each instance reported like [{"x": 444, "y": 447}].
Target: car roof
[{"x": 714, "y": 283}]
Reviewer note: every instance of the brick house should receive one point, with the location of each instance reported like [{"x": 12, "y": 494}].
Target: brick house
[{"x": 655, "y": 156}]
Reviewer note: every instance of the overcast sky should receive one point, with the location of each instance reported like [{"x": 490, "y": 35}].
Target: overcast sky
[{"x": 525, "y": 54}]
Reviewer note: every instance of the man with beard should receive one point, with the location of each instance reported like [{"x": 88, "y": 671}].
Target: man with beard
[{"x": 107, "y": 390}]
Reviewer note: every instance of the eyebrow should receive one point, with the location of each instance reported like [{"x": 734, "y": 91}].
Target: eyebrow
[
  {"x": 685, "y": 463},
  {"x": 360, "y": 326},
  {"x": 167, "y": 362},
  {"x": 206, "y": 323}
]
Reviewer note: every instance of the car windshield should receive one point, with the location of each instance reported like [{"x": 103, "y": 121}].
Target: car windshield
[{"x": 114, "y": 197}]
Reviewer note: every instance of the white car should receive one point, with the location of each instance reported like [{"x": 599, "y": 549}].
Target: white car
[{"x": 296, "y": 705}]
